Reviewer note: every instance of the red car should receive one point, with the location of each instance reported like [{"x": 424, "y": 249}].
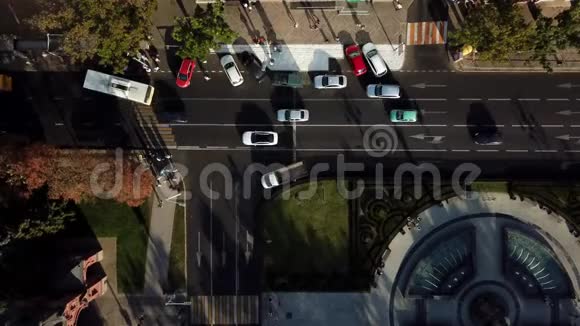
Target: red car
[
  {"x": 356, "y": 60},
  {"x": 185, "y": 73}
]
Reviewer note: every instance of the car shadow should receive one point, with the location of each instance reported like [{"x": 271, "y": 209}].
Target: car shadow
[{"x": 479, "y": 118}]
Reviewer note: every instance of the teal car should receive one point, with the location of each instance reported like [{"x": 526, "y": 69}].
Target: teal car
[{"x": 403, "y": 115}]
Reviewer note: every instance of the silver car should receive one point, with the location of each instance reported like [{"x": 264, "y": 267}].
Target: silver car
[
  {"x": 383, "y": 91},
  {"x": 231, "y": 70},
  {"x": 292, "y": 115},
  {"x": 330, "y": 81}
]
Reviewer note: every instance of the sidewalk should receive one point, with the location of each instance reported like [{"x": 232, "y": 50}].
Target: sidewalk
[
  {"x": 304, "y": 47},
  {"x": 159, "y": 243}
]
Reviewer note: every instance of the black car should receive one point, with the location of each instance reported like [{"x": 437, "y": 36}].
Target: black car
[
  {"x": 490, "y": 136},
  {"x": 254, "y": 65}
]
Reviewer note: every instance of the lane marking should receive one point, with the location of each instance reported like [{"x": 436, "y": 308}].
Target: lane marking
[
  {"x": 474, "y": 125},
  {"x": 557, "y": 99},
  {"x": 469, "y": 99},
  {"x": 498, "y": 99},
  {"x": 279, "y": 149},
  {"x": 298, "y": 125},
  {"x": 572, "y": 151},
  {"x": 575, "y": 126},
  {"x": 552, "y": 126},
  {"x": 487, "y": 150},
  {"x": 545, "y": 150},
  {"x": 461, "y": 150},
  {"x": 528, "y": 99},
  {"x": 517, "y": 150}
]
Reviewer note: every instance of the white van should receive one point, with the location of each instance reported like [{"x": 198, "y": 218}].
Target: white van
[{"x": 120, "y": 87}]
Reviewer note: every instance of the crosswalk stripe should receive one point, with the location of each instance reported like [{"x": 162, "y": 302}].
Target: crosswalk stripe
[
  {"x": 420, "y": 33},
  {"x": 225, "y": 310}
]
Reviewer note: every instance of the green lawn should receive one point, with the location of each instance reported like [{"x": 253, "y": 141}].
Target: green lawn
[
  {"x": 108, "y": 218},
  {"x": 176, "y": 277},
  {"x": 309, "y": 236}
]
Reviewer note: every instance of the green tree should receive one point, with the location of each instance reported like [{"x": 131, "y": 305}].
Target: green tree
[
  {"x": 199, "y": 34},
  {"x": 569, "y": 24},
  {"x": 548, "y": 38},
  {"x": 106, "y": 30},
  {"x": 497, "y": 30}
]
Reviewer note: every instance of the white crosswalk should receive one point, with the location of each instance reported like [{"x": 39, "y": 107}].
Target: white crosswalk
[{"x": 424, "y": 33}]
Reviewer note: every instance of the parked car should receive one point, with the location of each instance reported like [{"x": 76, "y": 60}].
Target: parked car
[
  {"x": 254, "y": 65},
  {"x": 488, "y": 136},
  {"x": 292, "y": 115},
  {"x": 260, "y": 138},
  {"x": 403, "y": 116},
  {"x": 353, "y": 54},
  {"x": 329, "y": 81},
  {"x": 231, "y": 70},
  {"x": 185, "y": 72},
  {"x": 376, "y": 62},
  {"x": 383, "y": 91}
]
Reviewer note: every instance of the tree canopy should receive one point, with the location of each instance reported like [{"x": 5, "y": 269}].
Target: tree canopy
[
  {"x": 203, "y": 32},
  {"x": 497, "y": 30},
  {"x": 106, "y": 30},
  {"x": 76, "y": 174}
]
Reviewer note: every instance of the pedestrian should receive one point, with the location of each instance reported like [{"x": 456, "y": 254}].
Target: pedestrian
[
  {"x": 337, "y": 39},
  {"x": 362, "y": 27},
  {"x": 295, "y": 25},
  {"x": 206, "y": 77},
  {"x": 245, "y": 4}
]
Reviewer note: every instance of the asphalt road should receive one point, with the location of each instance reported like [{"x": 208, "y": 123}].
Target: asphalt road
[{"x": 538, "y": 115}]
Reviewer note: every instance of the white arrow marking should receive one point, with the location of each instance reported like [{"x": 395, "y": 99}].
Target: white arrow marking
[
  {"x": 423, "y": 85},
  {"x": 568, "y": 112},
  {"x": 198, "y": 253},
  {"x": 223, "y": 249},
  {"x": 249, "y": 241},
  {"x": 568, "y": 85},
  {"x": 568, "y": 138},
  {"x": 432, "y": 112},
  {"x": 434, "y": 139}
]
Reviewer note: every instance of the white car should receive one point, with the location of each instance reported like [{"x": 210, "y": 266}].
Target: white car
[
  {"x": 383, "y": 91},
  {"x": 260, "y": 138},
  {"x": 292, "y": 115},
  {"x": 329, "y": 81},
  {"x": 376, "y": 62},
  {"x": 231, "y": 70}
]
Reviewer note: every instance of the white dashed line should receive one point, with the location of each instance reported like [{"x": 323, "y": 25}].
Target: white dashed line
[
  {"x": 428, "y": 99},
  {"x": 487, "y": 150},
  {"x": 557, "y": 99},
  {"x": 572, "y": 151},
  {"x": 545, "y": 150},
  {"x": 498, "y": 99},
  {"x": 60, "y": 124},
  {"x": 461, "y": 150},
  {"x": 469, "y": 99},
  {"x": 517, "y": 150},
  {"x": 575, "y": 126},
  {"x": 552, "y": 126},
  {"x": 528, "y": 99}
]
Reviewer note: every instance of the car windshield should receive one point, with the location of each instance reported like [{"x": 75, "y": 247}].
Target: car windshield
[
  {"x": 372, "y": 53},
  {"x": 324, "y": 81},
  {"x": 378, "y": 90},
  {"x": 400, "y": 115},
  {"x": 261, "y": 138},
  {"x": 354, "y": 54},
  {"x": 182, "y": 76},
  {"x": 228, "y": 65}
]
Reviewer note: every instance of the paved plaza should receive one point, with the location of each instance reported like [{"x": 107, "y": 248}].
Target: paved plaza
[{"x": 488, "y": 256}]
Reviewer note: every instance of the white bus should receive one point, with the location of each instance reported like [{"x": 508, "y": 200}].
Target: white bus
[{"x": 120, "y": 87}]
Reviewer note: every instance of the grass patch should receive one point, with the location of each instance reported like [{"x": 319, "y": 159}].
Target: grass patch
[
  {"x": 176, "y": 273},
  {"x": 306, "y": 236},
  {"x": 108, "y": 218}
]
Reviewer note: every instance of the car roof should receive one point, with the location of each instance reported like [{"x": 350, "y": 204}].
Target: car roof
[{"x": 389, "y": 89}]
